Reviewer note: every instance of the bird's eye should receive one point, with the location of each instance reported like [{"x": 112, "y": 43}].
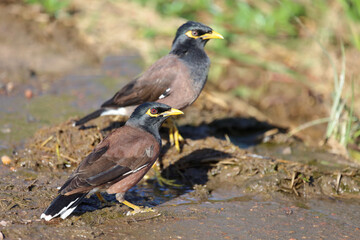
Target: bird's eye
[
  {"x": 195, "y": 33},
  {"x": 154, "y": 111}
]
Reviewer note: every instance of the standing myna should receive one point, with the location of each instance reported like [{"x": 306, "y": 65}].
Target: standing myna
[
  {"x": 176, "y": 79},
  {"x": 118, "y": 163}
]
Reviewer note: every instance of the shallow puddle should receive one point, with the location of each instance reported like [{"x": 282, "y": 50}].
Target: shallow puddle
[{"x": 73, "y": 95}]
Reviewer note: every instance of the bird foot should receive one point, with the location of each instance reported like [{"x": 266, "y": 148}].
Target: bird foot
[
  {"x": 163, "y": 181},
  {"x": 174, "y": 137},
  {"x": 140, "y": 210},
  {"x": 103, "y": 202},
  {"x": 136, "y": 209},
  {"x": 107, "y": 204},
  {"x": 100, "y": 197},
  {"x": 169, "y": 182}
]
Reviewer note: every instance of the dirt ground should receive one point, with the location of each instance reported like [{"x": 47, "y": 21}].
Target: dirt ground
[{"x": 239, "y": 175}]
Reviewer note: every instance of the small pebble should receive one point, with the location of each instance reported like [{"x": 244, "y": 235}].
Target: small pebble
[
  {"x": 286, "y": 151},
  {"x": 4, "y": 223},
  {"x": 5, "y": 160},
  {"x": 28, "y": 93},
  {"x": 9, "y": 87}
]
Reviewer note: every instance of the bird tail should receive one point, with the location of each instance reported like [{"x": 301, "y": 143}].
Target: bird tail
[
  {"x": 89, "y": 117},
  {"x": 63, "y": 206}
]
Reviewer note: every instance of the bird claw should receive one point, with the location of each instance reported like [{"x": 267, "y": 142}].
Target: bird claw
[
  {"x": 103, "y": 202},
  {"x": 164, "y": 181},
  {"x": 175, "y": 138},
  {"x": 140, "y": 210},
  {"x": 106, "y": 204}
]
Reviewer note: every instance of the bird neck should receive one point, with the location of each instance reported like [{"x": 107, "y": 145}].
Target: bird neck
[
  {"x": 197, "y": 60},
  {"x": 186, "y": 48},
  {"x": 153, "y": 129}
]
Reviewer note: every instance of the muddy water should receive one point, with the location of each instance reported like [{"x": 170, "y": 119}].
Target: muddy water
[
  {"x": 69, "y": 96},
  {"x": 226, "y": 192}
]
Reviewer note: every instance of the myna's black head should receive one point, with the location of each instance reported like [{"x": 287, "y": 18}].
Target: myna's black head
[
  {"x": 151, "y": 115},
  {"x": 193, "y": 34}
]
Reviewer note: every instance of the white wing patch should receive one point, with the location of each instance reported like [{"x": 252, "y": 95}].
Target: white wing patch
[
  {"x": 120, "y": 111},
  {"x": 165, "y": 94},
  {"x": 46, "y": 217},
  {"x": 65, "y": 212},
  {"x": 136, "y": 170}
]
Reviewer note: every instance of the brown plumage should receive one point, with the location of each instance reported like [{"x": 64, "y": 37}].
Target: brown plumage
[
  {"x": 121, "y": 153},
  {"x": 152, "y": 84},
  {"x": 176, "y": 79},
  {"x": 117, "y": 163}
]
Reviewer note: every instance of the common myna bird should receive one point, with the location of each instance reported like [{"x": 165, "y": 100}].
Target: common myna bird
[
  {"x": 117, "y": 163},
  {"x": 176, "y": 79}
]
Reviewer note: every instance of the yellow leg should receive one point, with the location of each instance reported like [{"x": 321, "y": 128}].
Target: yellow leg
[
  {"x": 171, "y": 135},
  {"x": 177, "y": 137},
  {"x": 136, "y": 209},
  {"x": 161, "y": 180},
  {"x": 103, "y": 202},
  {"x": 133, "y": 206},
  {"x": 174, "y": 136},
  {"x": 100, "y": 197}
]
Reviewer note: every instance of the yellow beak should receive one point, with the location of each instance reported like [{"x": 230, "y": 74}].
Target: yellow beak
[
  {"x": 172, "y": 112},
  {"x": 212, "y": 35}
]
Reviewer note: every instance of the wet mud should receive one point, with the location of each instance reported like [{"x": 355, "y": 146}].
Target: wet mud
[{"x": 217, "y": 184}]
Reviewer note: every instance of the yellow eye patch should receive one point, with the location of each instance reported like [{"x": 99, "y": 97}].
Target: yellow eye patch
[
  {"x": 170, "y": 112},
  {"x": 210, "y": 35},
  {"x": 191, "y": 35},
  {"x": 152, "y": 113}
]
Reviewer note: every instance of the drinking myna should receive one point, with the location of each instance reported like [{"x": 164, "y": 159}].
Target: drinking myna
[
  {"x": 176, "y": 79},
  {"x": 117, "y": 163}
]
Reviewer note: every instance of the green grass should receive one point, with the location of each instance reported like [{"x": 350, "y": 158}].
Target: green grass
[
  {"x": 263, "y": 19},
  {"x": 337, "y": 104},
  {"x": 342, "y": 125},
  {"x": 352, "y": 11},
  {"x": 270, "y": 17},
  {"x": 186, "y": 9},
  {"x": 273, "y": 18},
  {"x": 51, "y": 7}
]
